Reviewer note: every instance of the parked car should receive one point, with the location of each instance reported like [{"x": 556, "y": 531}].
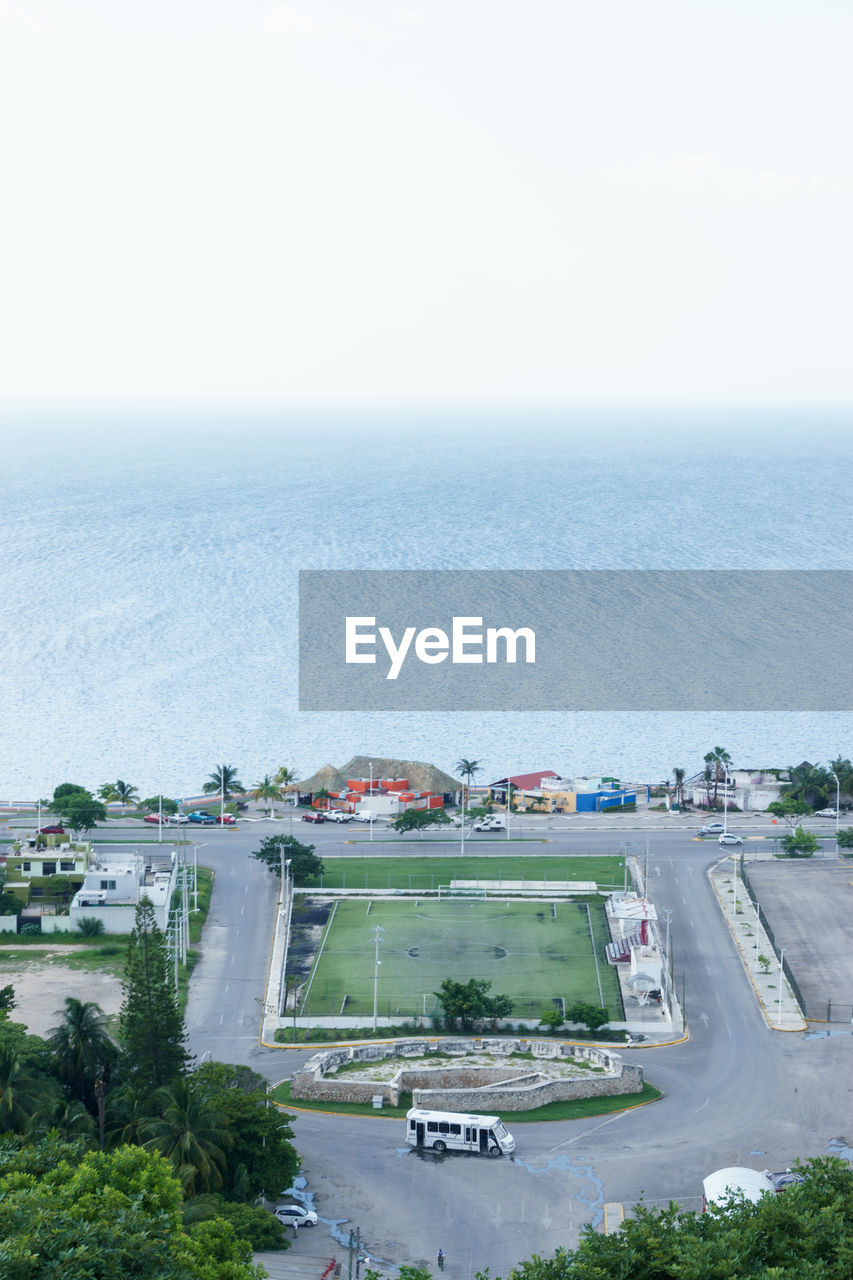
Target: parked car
[
  {"x": 177, "y": 819},
  {"x": 365, "y": 815},
  {"x": 711, "y": 829},
  {"x": 290, "y": 1213},
  {"x": 338, "y": 815},
  {"x": 226, "y": 819},
  {"x": 155, "y": 817},
  {"x": 729, "y": 837},
  {"x": 51, "y": 831},
  {"x": 200, "y": 816},
  {"x": 826, "y": 813},
  {"x": 313, "y": 817}
]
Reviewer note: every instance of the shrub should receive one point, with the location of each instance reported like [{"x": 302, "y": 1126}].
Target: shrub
[{"x": 90, "y": 926}]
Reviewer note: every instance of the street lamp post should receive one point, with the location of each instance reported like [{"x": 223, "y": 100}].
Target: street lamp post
[
  {"x": 726, "y": 801},
  {"x": 370, "y": 801},
  {"x": 834, "y": 775}
]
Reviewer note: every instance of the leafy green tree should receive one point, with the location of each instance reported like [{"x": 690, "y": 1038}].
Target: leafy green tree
[
  {"x": 152, "y": 1035},
  {"x": 552, "y": 1019},
  {"x": 304, "y": 863},
  {"x": 64, "y": 790},
  {"x": 264, "y": 1158},
  {"x": 224, "y": 781},
  {"x": 420, "y": 819},
  {"x": 268, "y": 790},
  {"x": 9, "y": 904},
  {"x": 78, "y": 808},
  {"x": 157, "y": 804},
  {"x": 251, "y": 1222},
  {"x": 7, "y": 1000},
  {"x": 98, "y": 1216},
  {"x": 789, "y": 809},
  {"x": 82, "y": 1048},
  {"x": 800, "y": 844},
  {"x": 805, "y": 1232},
  {"x": 469, "y": 1003},
  {"x": 191, "y": 1134},
  {"x": 592, "y": 1016},
  {"x": 845, "y": 838}
]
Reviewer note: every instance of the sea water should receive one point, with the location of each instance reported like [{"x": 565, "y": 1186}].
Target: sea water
[{"x": 148, "y": 602}]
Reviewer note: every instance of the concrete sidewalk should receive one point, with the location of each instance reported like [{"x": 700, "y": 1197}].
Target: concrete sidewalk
[{"x": 775, "y": 996}]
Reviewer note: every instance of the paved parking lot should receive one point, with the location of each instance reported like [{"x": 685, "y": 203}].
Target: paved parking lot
[{"x": 809, "y": 904}]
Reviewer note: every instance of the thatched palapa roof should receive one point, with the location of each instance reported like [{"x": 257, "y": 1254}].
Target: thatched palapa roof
[
  {"x": 326, "y": 779},
  {"x": 422, "y": 777}
]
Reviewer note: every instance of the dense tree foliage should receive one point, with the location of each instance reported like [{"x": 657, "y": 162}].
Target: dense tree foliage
[
  {"x": 105, "y": 1216},
  {"x": 152, "y": 1031},
  {"x": 806, "y": 1231},
  {"x": 789, "y": 810},
  {"x": 469, "y": 1003},
  {"x": 800, "y": 843},
  {"x": 264, "y": 1159},
  {"x": 419, "y": 819},
  {"x": 304, "y": 863}
]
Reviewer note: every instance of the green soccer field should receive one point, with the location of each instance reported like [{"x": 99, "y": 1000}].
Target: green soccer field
[{"x": 537, "y": 953}]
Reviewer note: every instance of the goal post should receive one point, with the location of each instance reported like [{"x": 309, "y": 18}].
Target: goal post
[{"x": 455, "y": 891}]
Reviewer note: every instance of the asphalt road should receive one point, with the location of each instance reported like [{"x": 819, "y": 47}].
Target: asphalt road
[{"x": 735, "y": 1092}]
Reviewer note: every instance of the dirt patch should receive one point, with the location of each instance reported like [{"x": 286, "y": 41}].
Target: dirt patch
[{"x": 40, "y": 991}]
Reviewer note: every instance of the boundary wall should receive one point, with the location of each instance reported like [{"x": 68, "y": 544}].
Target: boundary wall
[{"x": 503, "y": 1086}]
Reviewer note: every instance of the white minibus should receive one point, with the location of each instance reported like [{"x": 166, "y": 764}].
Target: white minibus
[{"x": 453, "y": 1131}]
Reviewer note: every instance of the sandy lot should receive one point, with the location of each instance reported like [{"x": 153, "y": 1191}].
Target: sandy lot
[{"x": 42, "y": 985}]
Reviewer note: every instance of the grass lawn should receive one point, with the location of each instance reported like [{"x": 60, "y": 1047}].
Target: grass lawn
[
  {"x": 537, "y": 953},
  {"x": 577, "y": 1110},
  {"x": 417, "y": 872}
]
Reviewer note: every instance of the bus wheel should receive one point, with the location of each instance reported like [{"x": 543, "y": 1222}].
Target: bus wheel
[
  {"x": 494, "y": 1151},
  {"x": 439, "y": 1146}
]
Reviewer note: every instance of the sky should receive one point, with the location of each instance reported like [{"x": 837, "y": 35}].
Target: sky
[{"x": 373, "y": 201}]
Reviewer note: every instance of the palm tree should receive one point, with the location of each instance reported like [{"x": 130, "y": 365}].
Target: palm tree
[
  {"x": 678, "y": 775},
  {"x": 191, "y": 1135},
  {"x": 82, "y": 1048},
  {"x": 128, "y": 1114},
  {"x": 286, "y": 779},
  {"x": 223, "y": 780},
  {"x": 467, "y": 769},
  {"x": 266, "y": 789},
  {"x": 718, "y": 759},
  {"x": 810, "y": 783},
  {"x": 123, "y": 791},
  {"x": 22, "y": 1094}
]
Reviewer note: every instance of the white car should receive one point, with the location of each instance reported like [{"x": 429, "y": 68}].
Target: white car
[
  {"x": 711, "y": 829},
  {"x": 177, "y": 819},
  {"x": 826, "y": 813},
  {"x": 365, "y": 815},
  {"x": 490, "y": 824},
  {"x": 338, "y": 815},
  {"x": 295, "y": 1213},
  {"x": 728, "y": 837}
]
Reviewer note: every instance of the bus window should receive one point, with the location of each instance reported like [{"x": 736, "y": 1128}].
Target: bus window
[
  {"x": 456, "y": 1128},
  {"x": 443, "y": 1126},
  {"x": 432, "y": 1126}
]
